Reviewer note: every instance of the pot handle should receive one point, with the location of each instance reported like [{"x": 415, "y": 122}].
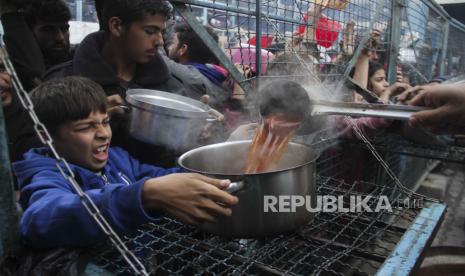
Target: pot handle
[
  {"x": 126, "y": 108},
  {"x": 235, "y": 187}
]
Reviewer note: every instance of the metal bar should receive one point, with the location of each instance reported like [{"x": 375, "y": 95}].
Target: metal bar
[
  {"x": 456, "y": 24},
  {"x": 258, "y": 43},
  {"x": 78, "y": 10},
  {"x": 8, "y": 212},
  {"x": 408, "y": 253},
  {"x": 212, "y": 45},
  {"x": 445, "y": 44},
  {"x": 394, "y": 42}
]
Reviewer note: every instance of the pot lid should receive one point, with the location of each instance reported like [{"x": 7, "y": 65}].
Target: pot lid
[{"x": 166, "y": 103}]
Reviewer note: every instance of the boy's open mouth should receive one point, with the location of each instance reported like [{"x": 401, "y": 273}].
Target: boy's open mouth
[{"x": 101, "y": 153}]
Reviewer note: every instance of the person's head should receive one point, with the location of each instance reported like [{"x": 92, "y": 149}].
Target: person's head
[
  {"x": 73, "y": 110},
  {"x": 48, "y": 20},
  {"x": 186, "y": 46},
  {"x": 136, "y": 26},
  {"x": 377, "y": 80}
]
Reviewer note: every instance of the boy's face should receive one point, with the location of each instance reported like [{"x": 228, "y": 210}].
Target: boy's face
[
  {"x": 143, "y": 38},
  {"x": 85, "y": 142}
]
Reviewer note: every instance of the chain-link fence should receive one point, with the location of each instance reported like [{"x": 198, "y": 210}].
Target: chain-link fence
[
  {"x": 316, "y": 40},
  {"x": 311, "y": 41}
]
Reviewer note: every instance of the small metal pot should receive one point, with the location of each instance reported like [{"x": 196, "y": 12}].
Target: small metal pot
[
  {"x": 295, "y": 176},
  {"x": 166, "y": 119}
]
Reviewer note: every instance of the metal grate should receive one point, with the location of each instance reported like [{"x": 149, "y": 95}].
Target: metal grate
[
  {"x": 455, "y": 60},
  {"x": 332, "y": 243},
  {"x": 422, "y": 35},
  {"x": 395, "y": 143},
  {"x": 292, "y": 52}
]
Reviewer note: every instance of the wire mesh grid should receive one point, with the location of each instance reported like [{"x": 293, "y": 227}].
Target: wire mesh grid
[
  {"x": 455, "y": 61},
  {"x": 332, "y": 243},
  {"x": 299, "y": 40},
  {"x": 305, "y": 45},
  {"x": 443, "y": 150},
  {"x": 422, "y": 35}
]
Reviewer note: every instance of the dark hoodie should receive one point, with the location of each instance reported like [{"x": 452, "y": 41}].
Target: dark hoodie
[
  {"x": 54, "y": 215},
  {"x": 88, "y": 62}
]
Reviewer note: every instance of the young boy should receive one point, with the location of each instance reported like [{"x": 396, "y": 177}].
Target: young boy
[{"x": 127, "y": 193}]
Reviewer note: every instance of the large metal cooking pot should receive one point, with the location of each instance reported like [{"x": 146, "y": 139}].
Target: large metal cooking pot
[
  {"x": 295, "y": 175},
  {"x": 166, "y": 119}
]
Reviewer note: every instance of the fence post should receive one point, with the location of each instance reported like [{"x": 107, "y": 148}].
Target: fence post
[
  {"x": 8, "y": 211},
  {"x": 258, "y": 41},
  {"x": 394, "y": 43},
  {"x": 445, "y": 45}
]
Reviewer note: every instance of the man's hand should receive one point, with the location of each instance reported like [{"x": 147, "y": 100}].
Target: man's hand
[
  {"x": 448, "y": 108},
  {"x": 188, "y": 197}
]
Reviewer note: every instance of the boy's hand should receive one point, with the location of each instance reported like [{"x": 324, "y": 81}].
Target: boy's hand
[
  {"x": 189, "y": 197},
  {"x": 114, "y": 103}
]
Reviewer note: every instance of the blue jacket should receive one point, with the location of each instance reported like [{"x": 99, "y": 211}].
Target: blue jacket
[{"x": 54, "y": 215}]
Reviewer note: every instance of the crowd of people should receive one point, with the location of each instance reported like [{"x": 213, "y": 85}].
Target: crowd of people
[{"x": 77, "y": 91}]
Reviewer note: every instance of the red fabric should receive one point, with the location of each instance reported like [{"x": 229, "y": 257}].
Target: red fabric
[
  {"x": 265, "y": 41},
  {"x": 326, "y": 32}
]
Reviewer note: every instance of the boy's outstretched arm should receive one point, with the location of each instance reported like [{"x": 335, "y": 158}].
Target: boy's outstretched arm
[{"x": 55, "y": 216}]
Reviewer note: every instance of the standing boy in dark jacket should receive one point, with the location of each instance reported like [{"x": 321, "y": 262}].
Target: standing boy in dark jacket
[
  {"x": 127, "y": 192},
  {"x": 123, "y": 56}
]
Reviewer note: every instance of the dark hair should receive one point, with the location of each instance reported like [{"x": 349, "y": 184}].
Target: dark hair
[
  {"x": 46, "y": 10},
  {"x": 198, "y": 51},
  {"x": 60, "y": 101},
  {"x": 130, "y": 11},
  {"x": 373, "y": 67},
  {"x": 99, "y": 10}
]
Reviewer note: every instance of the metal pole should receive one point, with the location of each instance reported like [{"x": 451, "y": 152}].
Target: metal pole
[
  {"x": 445, "y": 44},
  {"x": 397, "y": 8},
  {"x": 78, "y": 10},
  {"x": 8, "y": 212},
  {"x": 258, "y": 44}
]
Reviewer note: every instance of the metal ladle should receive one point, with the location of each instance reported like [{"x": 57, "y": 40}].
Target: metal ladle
[
  {"x": 292, "y": 99},
  {"x": 387, "y": 111}
]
